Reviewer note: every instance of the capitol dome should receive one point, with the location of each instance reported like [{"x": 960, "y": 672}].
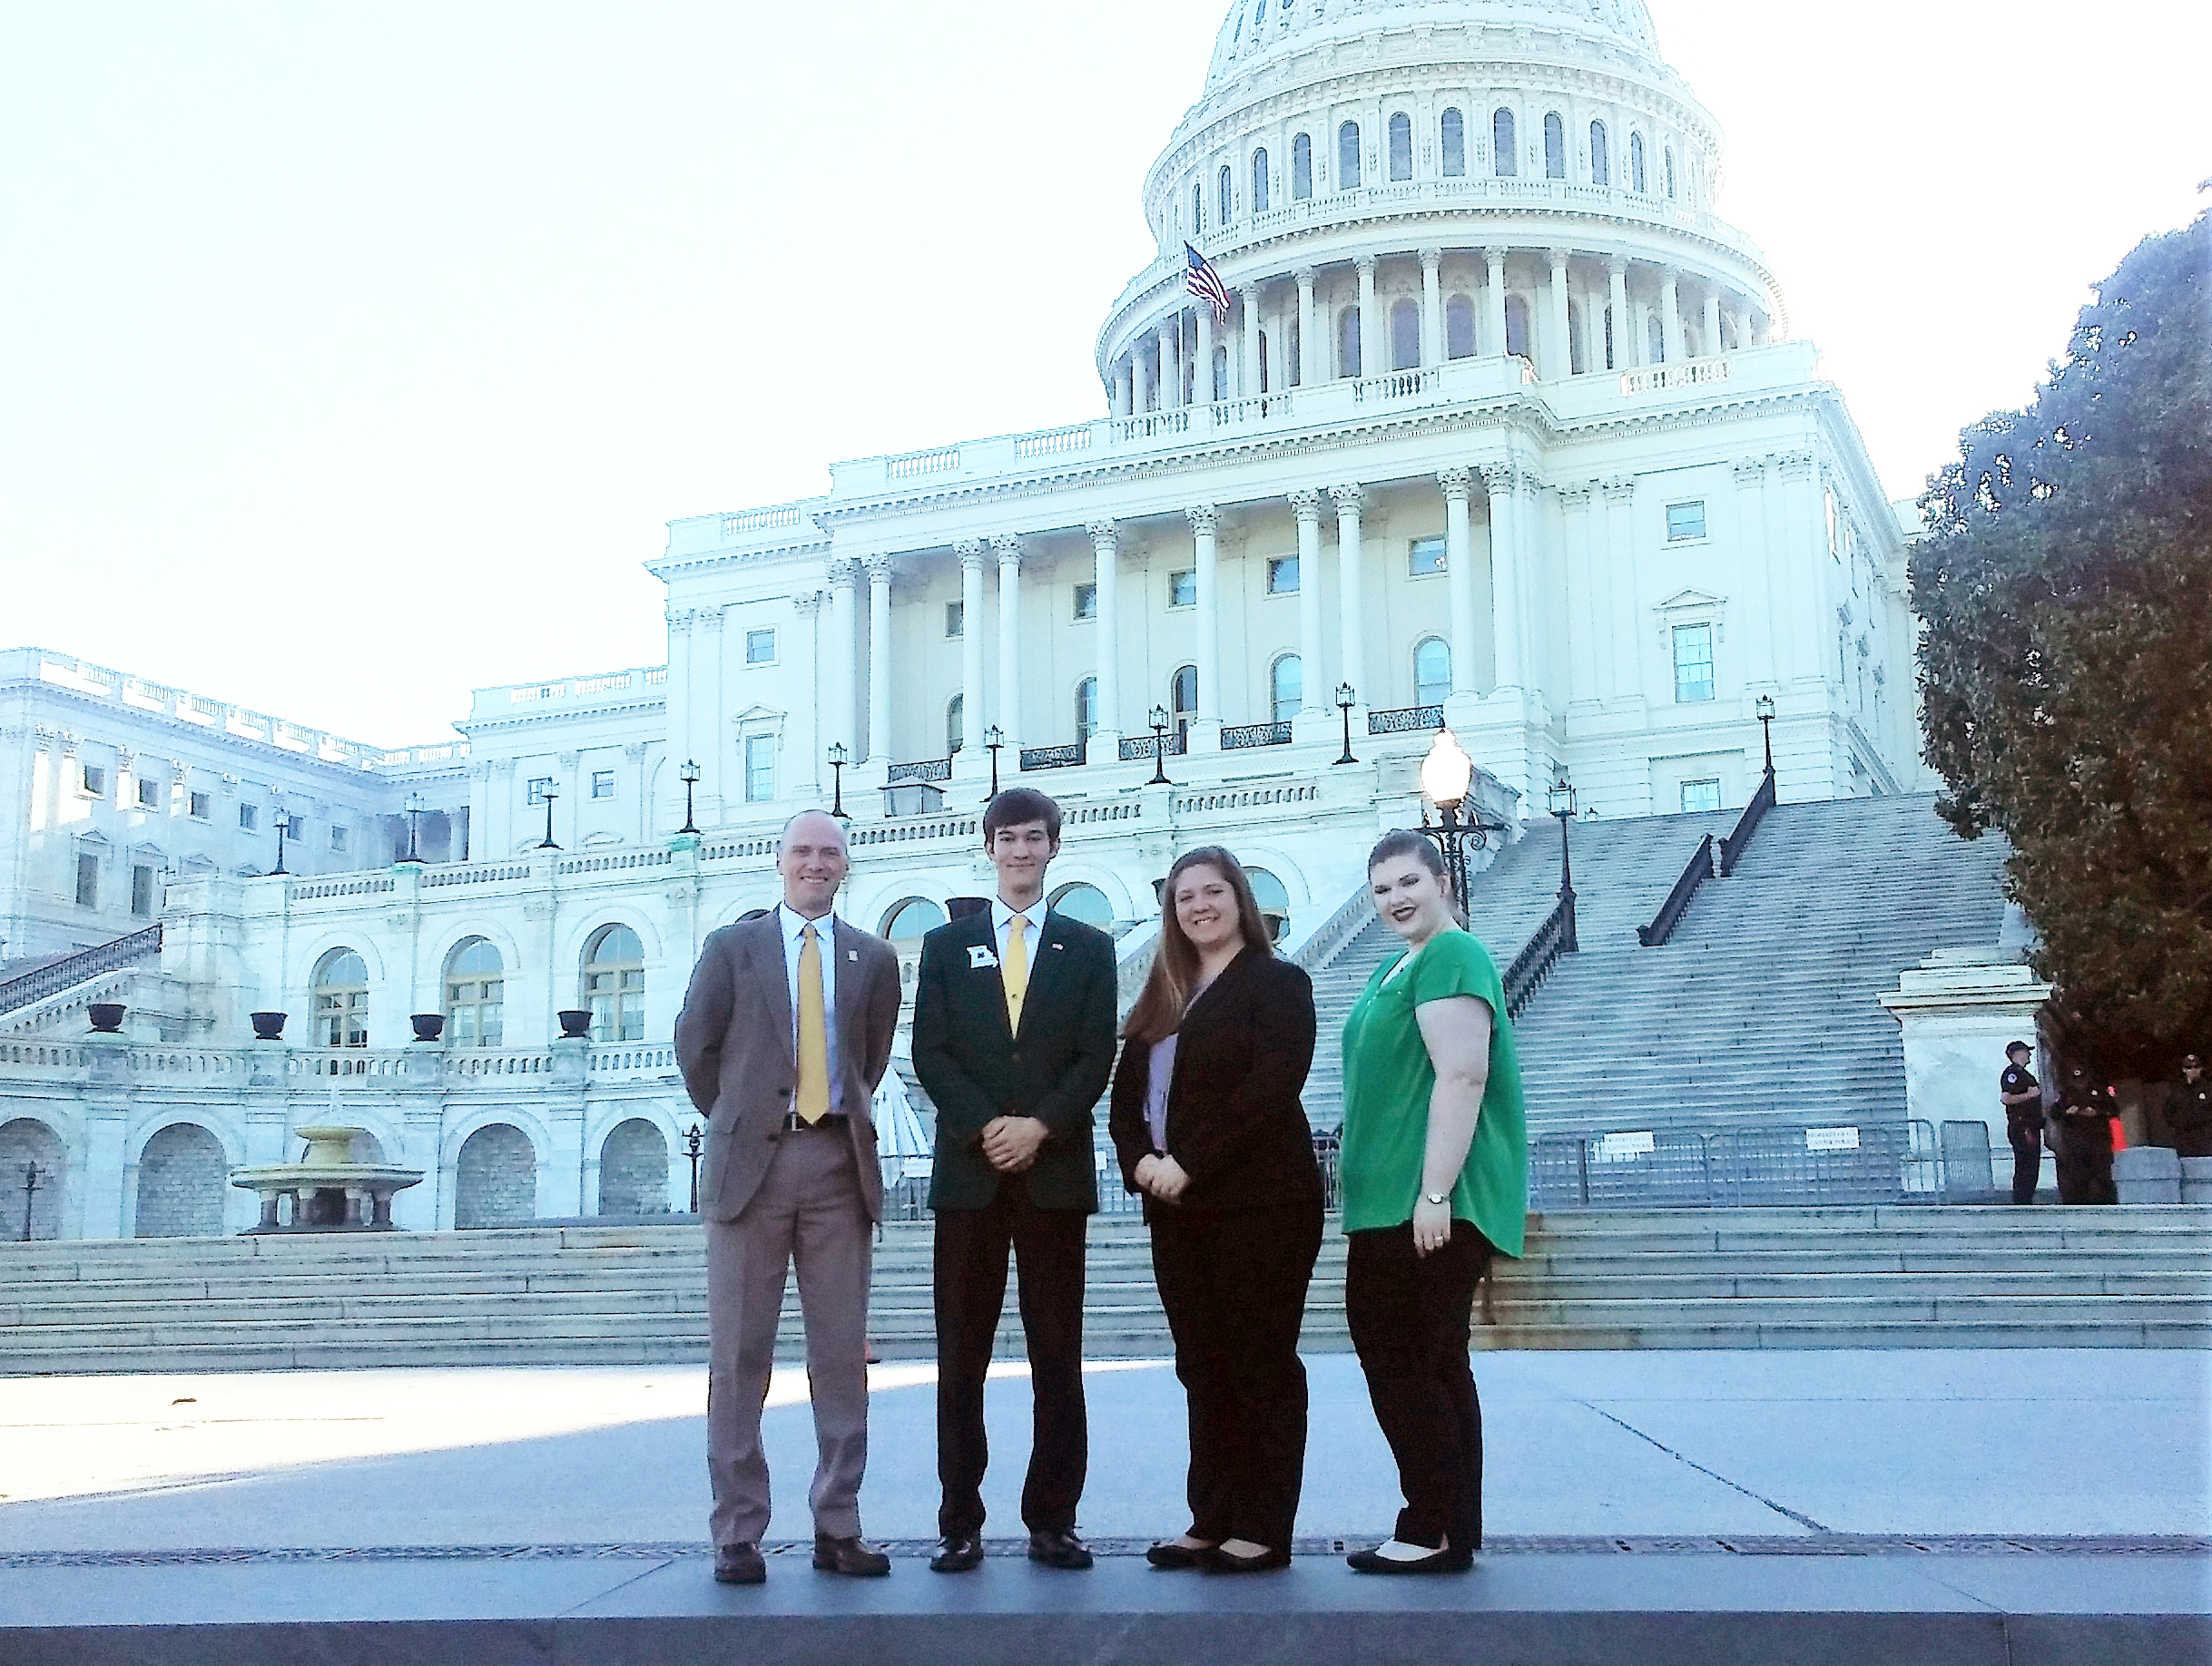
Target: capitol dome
[{"x": 1255, "y": 31}]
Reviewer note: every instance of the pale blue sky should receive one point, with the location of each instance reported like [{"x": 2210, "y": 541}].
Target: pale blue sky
[{"x": 353, "y": 356}]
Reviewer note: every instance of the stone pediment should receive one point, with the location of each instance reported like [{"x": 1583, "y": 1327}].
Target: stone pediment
[
  {"x": 1682, "y": 601},
  {"x": 761, "y": 714}
]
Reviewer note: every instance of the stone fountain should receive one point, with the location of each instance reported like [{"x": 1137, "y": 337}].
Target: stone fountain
[{"x": 330, "y": 1191}]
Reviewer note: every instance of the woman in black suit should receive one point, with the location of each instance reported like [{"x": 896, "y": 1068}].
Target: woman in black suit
[{"x": 1208, "y": 1126}]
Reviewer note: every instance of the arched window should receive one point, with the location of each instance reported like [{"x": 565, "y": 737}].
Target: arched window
[
  {"x": 341, "y": 1000},
  {"x": 1223, "y": 201},
  {"x": 1301, "y": 168},
  {"x": 1259, "y": 181},
  {"x": 1274, "y": 900},
  {"x": 1183, "y": 698},
  {"x": 495, "y": 1178},
  {"x": 1554, "y": 146},
  {"x": 1198, "y": 209},
  {"x": 1670, "y": 173},
  {"x": 1504, "y": 151},
  {"x": 1087, "y": 709},
  {"x": 1601, "y": 166},
  {"x": 1347, "y": 342},
  {"x": 614, "y": 985},
  {"x": 1516, "y": 326},
  {"x": 1454, "y": 147},
  {"x": 1431, "y": 672},
  {"x": 1082, "y": 902},
  {"x": 1402, "y": 147},
  {"x": 906, "y": 922},
  {"x": 1458, "y": 327},
  {"x": 955, "y": 734},
  {"x": 1405, "y": 335},
  {"x": 1348, "y": 157},
  {"x": 474, "y": 986},
  {"x": 1285, "y": 687},
  {"x": 1259, "y": 16},
  {"x": 1636, "y": 163}
]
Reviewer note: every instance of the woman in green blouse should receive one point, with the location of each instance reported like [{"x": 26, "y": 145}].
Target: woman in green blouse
[{"x": 1434, "y": 1167}]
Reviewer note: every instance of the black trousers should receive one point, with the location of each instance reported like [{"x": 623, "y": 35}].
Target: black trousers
[
  {"x": 1235, "y": 1288},
  {"x": 968, "y": 1277},
  {"x": 2026, "y": 1136},
  {"x": 1409, "y": 1317},
  {"x": 2085, "y": 1166}
]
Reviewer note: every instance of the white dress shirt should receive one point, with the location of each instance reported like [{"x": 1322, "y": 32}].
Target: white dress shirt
[
  {"x": 825, "y": 943},
  {"x": 1002, "y": 918}
]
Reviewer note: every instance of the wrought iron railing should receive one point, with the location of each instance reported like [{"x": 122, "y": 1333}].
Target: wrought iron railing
[
  {"x": 1533, "y": 965},
  {"x": 1732, "y": 847},
  {"x": 1067, "y": 756},
  {"x": 925, "y": 769},
  {"x": 1404, "y": 719},
  {"x": 1236, "y": 737},
  {"x": 1139, "y": 749},
  {"x": 54, "y": 977},
  {"x": 1663, "y": 923}
]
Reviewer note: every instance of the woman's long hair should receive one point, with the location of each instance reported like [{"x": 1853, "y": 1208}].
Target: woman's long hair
[{"x": 1158, "y": 1012}]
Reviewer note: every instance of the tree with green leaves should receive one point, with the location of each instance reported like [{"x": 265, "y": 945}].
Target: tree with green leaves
[{"x": 2066, "y": 671}]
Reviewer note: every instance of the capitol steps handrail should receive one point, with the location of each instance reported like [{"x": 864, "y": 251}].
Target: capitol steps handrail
[
  {"x": 54, "y": 977},
  {"x": 1732, "y": 847},
  {"x": 1694, "y": 873},
  {"x": 1533, "y": 965}
]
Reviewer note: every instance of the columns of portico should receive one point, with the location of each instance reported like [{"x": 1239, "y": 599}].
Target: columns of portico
[
  {"x": 843, "y": 675},
  {"x": 1623, "y": 355},
  {"x": 1202, "y": 368},
  {"x": 1106, "y": 552},
  {"x": 1350, "y": 569},
  {"x": 1431, "y": 307},
  {"x": 1373, "y": 361},
  {"x": 879, "y": 659},
  {"x": 1458, "y": 487},
  {"x": 1170, "y": 366},
  {"x": 970, "y": 552},
  {"x": 1562, "y": 363},
  {"x": 1009, "y": 718},
  {"x": 1494, "y": 303},
  {"x": 1306, "y": 376},
  {"x": 1306, "y": 507},
  {"x": 1670, "y": 316},
  {"x": 1206, "y": 526},
  {"x": 1593, "y": 329},
  {"x": 1505, "y": 573},
  {"x": 1626, "y": 660},
  {"x": 1248, "y": 344},
  {"x": 1711, "y": 344}
]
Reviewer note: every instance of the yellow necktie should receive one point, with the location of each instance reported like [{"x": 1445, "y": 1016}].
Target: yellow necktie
[
  {"x": 1015, "y": 973},
  {"x": 813, "y": 1094}
]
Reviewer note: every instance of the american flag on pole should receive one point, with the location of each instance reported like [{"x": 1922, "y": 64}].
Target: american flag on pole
[{"x": 1202, "y": 280}]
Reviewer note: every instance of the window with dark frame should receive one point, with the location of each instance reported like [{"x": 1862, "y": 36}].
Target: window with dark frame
[
  {"x": 1182, "y": 588},
  {"x": 1425, "y": 557},
  {"x": 1686, "y": 523},
  {"x": 149, "y": 793},
  {"x": 761, "y": 646},
  {"x": 201, "y": 804},
  {"x": 88, "y": 881},
  {"x": 93, "y": 779},
  {"x": 1086, "y": 601},
  {"x": 142, "y": 891},
  {"x": 603, "y": 783},
  {"x": 1283, "y": 576},
  {"x": 248, "y": 818},
  {"x": 955, "y": 621}
]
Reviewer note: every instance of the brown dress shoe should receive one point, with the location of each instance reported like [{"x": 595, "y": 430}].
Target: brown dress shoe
[
  {"x": 738, "y": 1564},
  {"x": 850, "y": 1556}
]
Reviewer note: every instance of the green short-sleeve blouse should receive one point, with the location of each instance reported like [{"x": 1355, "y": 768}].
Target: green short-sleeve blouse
[{"x": 1388, "y": 1078}]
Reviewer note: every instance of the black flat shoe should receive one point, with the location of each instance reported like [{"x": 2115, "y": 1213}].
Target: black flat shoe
[
  {"x": 957, "y": 1553},
  {"x": 1174, "y": 1558},
  {"x": 738, "y": 1564},
  {"x": 1219, "y": 1560},
  {"x": 1444, "y": 1561},
  {"x": 1059, "y": 1550}
]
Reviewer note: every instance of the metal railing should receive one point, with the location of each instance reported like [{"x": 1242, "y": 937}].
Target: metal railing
[
  {"x": 1067, "y": 756},
  {"x": 923, "y": 769},
  {"x": 40, "y": 981},
  {"x": 1533, "y": 965},
  {"x": 1236, "y": 737},
  {"x": 1404, "y": 719},
  {"x": 1732, "y": 847},
  {"x": 1733, "y": 1168},
  {"x": 1663, "y": 923},
  {"x": 1139, "y": 749}
]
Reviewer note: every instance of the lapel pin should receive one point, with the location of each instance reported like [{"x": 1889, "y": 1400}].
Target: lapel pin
[{"x": 853, "y": 954}]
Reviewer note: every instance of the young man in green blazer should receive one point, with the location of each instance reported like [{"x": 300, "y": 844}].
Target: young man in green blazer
[{"x": 1014, "y": 1043}]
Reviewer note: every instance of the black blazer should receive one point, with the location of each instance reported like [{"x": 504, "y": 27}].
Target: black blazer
[
  {"x": 974, "y": 1071},
  {"x": 1234, "y": 1121}
]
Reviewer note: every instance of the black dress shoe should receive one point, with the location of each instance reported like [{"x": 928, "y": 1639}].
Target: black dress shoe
[
  {"x": 849, "y": 1556},
  {"x": 1059, "y": 1550},
  {"x": 738, "y": 1564},
  {"x": 1444, "y": 1561},
  {"x": 1220, "y": 1560},
  {"x": 1172, "y": 1557},
  {"x": 957, "y": 1553}
]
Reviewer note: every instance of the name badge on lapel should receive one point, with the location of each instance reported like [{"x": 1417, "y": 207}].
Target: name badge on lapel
[{"x": 978, "y": 957}]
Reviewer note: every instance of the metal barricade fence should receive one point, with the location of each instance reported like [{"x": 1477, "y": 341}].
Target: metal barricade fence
[{"x": 1721, "y": 1167}]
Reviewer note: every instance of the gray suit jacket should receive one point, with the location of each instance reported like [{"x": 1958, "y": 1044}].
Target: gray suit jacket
[{"x": 733, "y": 1042}]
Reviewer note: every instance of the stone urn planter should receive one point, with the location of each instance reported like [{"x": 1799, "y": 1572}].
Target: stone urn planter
[
  {"x": 106, "y": 1017},
  {"x": 268, "y": 1026},
  {"x": 428, "y": 1026},
  {"x": 575, "y": 1026}
]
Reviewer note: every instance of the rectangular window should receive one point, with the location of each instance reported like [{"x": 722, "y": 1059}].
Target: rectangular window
[
  {"x": 88, "y": 882},
  {"x": 1700, "y": 795},
  {"x": 1283, "y": 576},
  {"x": 149, "y": 794},
  {"x": 142, "y": 892},
  {"x": 603, "y": 783},
  {"x": 538, "y": 786},
  {"x": 1684, "y": 521},
  {"x": 1182, "y": 588},
  {"x": 95, "y": 780},
  {"x": 1692, "y": 663},
  {"x": 337, "y": 838},
  {"x": 760, "y": 647},
  {"x": 249, "y": 817},
  {"x": 760, "y": 768},
  {"x": 202, "y": 805},
  {"x": 1086, "y": 601},
  {"x": 955, "y": 621},
  {"x": 1425, "y": 557}
]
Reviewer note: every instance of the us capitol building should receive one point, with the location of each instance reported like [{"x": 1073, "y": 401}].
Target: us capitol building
[{"x": 1502, "y": 430}]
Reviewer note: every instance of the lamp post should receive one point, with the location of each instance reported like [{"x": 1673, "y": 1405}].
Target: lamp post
[
  {"x": 837, "y": 779},
  {"x": 548, "y": 792},
  {"x": 1764, "y": 707},
  {"x": 285, "y": 823},
  {"x": 416, "y": 805},
  {"x": 1446, "y": 773},
  {"x": 1344, "y": 699},
  {"x": 30, "y": 1191},
  {"x": 1158, "y": 719},
  {"x": 691, "y": 1150},
  {"x": 688, "y": 773},
  {"x": 993, "y": 739},
  {"x": 1562, "y": 800}
]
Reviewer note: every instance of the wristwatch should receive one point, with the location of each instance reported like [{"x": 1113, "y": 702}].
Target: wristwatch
[{"x": 1436, "y": 1197}]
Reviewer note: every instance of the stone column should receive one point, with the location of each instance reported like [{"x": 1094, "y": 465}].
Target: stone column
[
  {"x": 806, "y": 608},
  {"x": 1758, "y": 566},
  {"x": 1202, "y": 371},
  {"x": 1623, "y": 355},
  {"x": 1350, "y": 601},
  {"x": 1586, "y": 596},
  {"x": 970, "y": 552},
  {"x": 1117, "y": 391},
  {"x": 1458, "y": 487},
  {"x": 1008, "y": 548},
  {"x": 1306, "y": 506},
  {"x": 1494, "y": 303},
  {"x": 1593, "y": 330},
  {"x": 1373, "y": 361},
  {"x": 1205, "y": 525},
  {"x": 1799, "y": 559},
  {"x": 1105, "y": 550},
  {"x": 1670, "y": 316},
  {"x": 879, "y": 659},
  {"x": 1562, "y": 342},
  {"x": 681, "y": 736},
  {"x": 1505, "y": 573},
  {"x": 842, "y": 708},
  {"x": 1712, "y": 343},
  {"x": 1306, "y": 377},
  {"x": 1171, "y": 365},
  {"x": 1431, "y": 307},
  {"x": 1248, "y": 342}
]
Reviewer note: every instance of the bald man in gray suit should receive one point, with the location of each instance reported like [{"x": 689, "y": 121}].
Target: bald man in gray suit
[{"x": 786, "y": 1032}]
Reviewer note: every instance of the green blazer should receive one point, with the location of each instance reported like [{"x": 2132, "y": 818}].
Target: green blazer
[{"x": 974, "y": 1070}]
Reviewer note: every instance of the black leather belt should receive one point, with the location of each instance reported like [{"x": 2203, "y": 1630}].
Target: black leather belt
[{"x": 795, "y": 1124}]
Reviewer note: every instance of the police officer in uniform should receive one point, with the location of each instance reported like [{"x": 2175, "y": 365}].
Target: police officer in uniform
[
  {"x": 2189, "y": 1109},
  {"x": 2083, "y": 1112},
  {"x": 2023, "y": 1097}
]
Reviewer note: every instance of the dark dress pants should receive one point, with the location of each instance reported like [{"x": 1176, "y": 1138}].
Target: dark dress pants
[
  {"x": 2085, "y": 1162},
  {"x": 2026, "y": 1136},
  {"x": 1409, "y": 1317},
  {"x": 1235, "y": 1288},
  {"x": 970, "y": 1274}
]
